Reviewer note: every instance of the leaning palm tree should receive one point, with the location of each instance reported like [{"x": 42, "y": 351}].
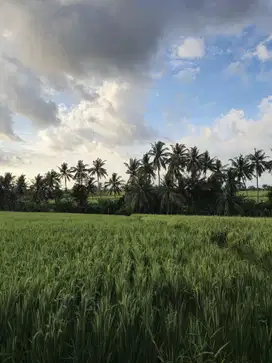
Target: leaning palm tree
[
  {"x": 115, "y": 184},
  {"x": 133, "y": 168},
  {"x": 98, "y": 170},
  {"x": 176, "y": 161},
  {"x": 146, "y": 169},
  {"x": 65, "y": 173},
  {"x": 159, "y": 153},
  {"x": 243, "y": 168},
  {"x": 80, "y": 172},
  {"x": 259, "y": 164}
]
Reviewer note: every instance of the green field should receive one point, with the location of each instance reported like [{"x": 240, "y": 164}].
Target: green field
[
  {"x": 252, "y": 194},
  {"x": 133, "y": 289}
]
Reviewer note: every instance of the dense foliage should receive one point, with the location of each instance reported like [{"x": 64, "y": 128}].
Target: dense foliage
[
  {"x": 175, "y": 180},
  {"x": 114, "y": 289}
]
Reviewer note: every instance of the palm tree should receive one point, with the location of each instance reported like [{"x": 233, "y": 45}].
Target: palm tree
[
  {"x": 194, "y": 161},
  {"x": 21, "y": 185},
  {"x": 115, "y": 184},
  {"x": 80, "y": 172},
  {"x": 259, "y": 165},
  {"x": 38, "y": 188},
  {"x": 228, "y": 200},
  {"x": 139, "y": 195},
  {"x": 207, "y": 163},
  {"x": 52, "y": 179},
  {"x": 65, "y": 173},
  {"x": 98, "y": 170},
  {"x": 146, "y": 168},
  {"x": 90, "y": 185},
  {"x": 133, "y": 168},
  {"x": 169, "y": 195},
  {"x": 243, "y": 168},
  {"x": 219, "y": 171},
  {"x": 159, "y": 153},
  {"x": 176, "y": 160}
]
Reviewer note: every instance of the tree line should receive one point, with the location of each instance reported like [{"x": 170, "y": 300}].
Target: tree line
[{"x": 171, "y": 180}]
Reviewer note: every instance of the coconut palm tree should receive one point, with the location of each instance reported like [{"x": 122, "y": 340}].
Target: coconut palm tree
[
  {"x": 38, "y": 188},
  {"x": 228, "y": 200},
  {"x": 21, "y": 185},
  {"x": 52, "y": 179},
  {"x": 65, "y": 173},
  {"x": 243, "y": 168},
  {"x": 207, "y": 163},
  {"x": 80, "y": 172},
  {"x": 259, "y": 164},
  {"x": 139, "y": 195},
  {"x": 169, "y": 195},
  {"x": 115, "y": 184},
  {"x": 146, "y": 168},
  {"x": 133, "y": 168},
  {"x": 194, "y": 161},
  {"x": 98, "y": 170},
  {"x": 90, "y": 185},
  {"x": 176, "y": 160},
  {"x": 219, "y": 171},
  {"x": 159, "y": 153}
]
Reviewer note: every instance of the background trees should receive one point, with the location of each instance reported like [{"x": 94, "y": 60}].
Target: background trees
[{"x": 188, "y": 181}]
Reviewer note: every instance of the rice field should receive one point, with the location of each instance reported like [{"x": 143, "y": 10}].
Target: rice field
[{"x": 145, "y": 289}]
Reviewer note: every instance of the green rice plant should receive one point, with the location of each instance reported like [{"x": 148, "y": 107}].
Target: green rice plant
[{"x": 81, "y": 288}]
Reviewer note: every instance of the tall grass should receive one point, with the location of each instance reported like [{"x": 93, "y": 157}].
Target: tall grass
[{"x": 138, "y": 289}]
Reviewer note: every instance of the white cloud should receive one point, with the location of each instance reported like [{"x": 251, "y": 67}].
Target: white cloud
[
  {"x": 190, "y": 48},
  {"x": 188, "y": 74}
]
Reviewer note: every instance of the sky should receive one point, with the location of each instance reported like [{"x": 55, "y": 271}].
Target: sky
[{"x": 81, "y": 79}]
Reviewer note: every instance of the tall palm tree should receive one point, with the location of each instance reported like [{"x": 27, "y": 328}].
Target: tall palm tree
[
  {"x": 194, "y": 161},
  {"x": 169, "y": 194},
  {"x": 159, "y": 153},
  {"x": 52, "y": 179},
  {"x": 139, "y": 195},
  {"x": 243, "y": 168},
  {"x": 207, "y": 163},
  {"x": 176, "y": 160},
  {"x": 146, "y": 168},
  {"x": 219, "y": 171},
  {"x": 21, "y": 185},
  {"x": 115, "y": 184},
  {"x": 80, "y": 172},
  {"x": 228, "y": 200},
  {"x": 259, "y": 164},
  {"x": 133, "y": 168},
  {"x": 90, "y": 185},
  {"x": 65, "y": 173},
  {"x": 98, "y": 170},
  {"x": 38, "y": 188}
]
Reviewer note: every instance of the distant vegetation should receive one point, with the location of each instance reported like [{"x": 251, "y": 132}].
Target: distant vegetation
[{"x": 175, "y": 180}]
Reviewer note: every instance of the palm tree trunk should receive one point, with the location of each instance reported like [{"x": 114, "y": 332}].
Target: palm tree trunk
[
  {"x": 65, "y": 182},
  {"x": 159, "y": 180},
  {"x": 257, "y": 181},
  {"x": 98, "y": 186}
]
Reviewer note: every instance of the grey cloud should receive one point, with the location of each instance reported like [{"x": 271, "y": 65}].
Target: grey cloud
[
  {"x": 6, "y": 122},
  {"x": 22, "y": 93},
  {"x": 113, "y": 36}
]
